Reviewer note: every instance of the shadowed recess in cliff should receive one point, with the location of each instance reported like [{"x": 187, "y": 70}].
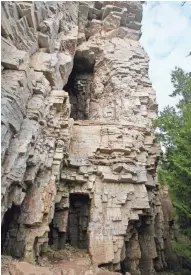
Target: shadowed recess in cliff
[
  {"x": 56, "y": 238},
  {"x": 147, "y": 245},
  {"x": 78, "y": 220},
  {"x": 79, "y": 86},
  {"x": 132, "y": 253},
  {"x": 9, "y": 229}
]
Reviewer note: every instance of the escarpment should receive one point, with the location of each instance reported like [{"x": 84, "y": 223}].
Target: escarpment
[{"x": 79, "y": 154}]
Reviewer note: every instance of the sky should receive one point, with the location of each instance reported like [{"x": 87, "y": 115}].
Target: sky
[{"x": 166, "y": 37}]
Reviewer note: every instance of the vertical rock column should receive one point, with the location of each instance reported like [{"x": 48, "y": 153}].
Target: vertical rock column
[
  {"x": 113, "y": 155},
  {"x": 38, "y": 45}
]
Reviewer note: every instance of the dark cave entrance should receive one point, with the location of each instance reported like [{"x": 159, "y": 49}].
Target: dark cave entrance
[
  {"x": 8, "y": 228},
  {"x": 78, "y": 220},
  {"x": 70, "y": 226},
  {"x": 79, "y": 86}
]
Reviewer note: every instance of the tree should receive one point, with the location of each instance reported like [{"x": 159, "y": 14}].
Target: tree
[{"x": 174, "y": 124}]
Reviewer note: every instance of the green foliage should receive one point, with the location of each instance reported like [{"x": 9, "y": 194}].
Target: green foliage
[
  {"x": 174, "y": 125},
  {"x": 182, "y": 248}
]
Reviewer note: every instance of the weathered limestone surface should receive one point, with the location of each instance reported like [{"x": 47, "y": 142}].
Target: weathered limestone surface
[
  {"x": 77, "y": 111},
  {"x": 38, "y": 46}
]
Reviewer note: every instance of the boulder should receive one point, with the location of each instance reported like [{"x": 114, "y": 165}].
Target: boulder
[{"x": 23, "y": 268}]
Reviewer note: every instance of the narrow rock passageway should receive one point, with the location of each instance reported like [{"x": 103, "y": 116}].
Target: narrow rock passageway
[
  {"x": 9, "y": 229},
  {"x": 57, "y": 232},
  {"x": 78, "y": 220}
]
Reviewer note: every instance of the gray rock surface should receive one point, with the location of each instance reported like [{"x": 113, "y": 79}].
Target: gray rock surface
[{"x": 77, "y": 111}]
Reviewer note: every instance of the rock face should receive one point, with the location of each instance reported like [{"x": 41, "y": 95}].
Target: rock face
[{"x": 79, "y": 154}]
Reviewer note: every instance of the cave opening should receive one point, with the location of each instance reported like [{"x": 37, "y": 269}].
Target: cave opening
[
  {"x": 8, "y": 227},
  {"x": 79, "y": 86},
  {"x": 78, "y": 220}
]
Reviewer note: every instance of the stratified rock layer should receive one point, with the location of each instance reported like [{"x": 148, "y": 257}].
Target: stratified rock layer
[{"x": 78, "y": 151}]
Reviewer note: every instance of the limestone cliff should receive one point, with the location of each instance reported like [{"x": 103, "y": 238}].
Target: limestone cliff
[{"x": 79, "y": 154}]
